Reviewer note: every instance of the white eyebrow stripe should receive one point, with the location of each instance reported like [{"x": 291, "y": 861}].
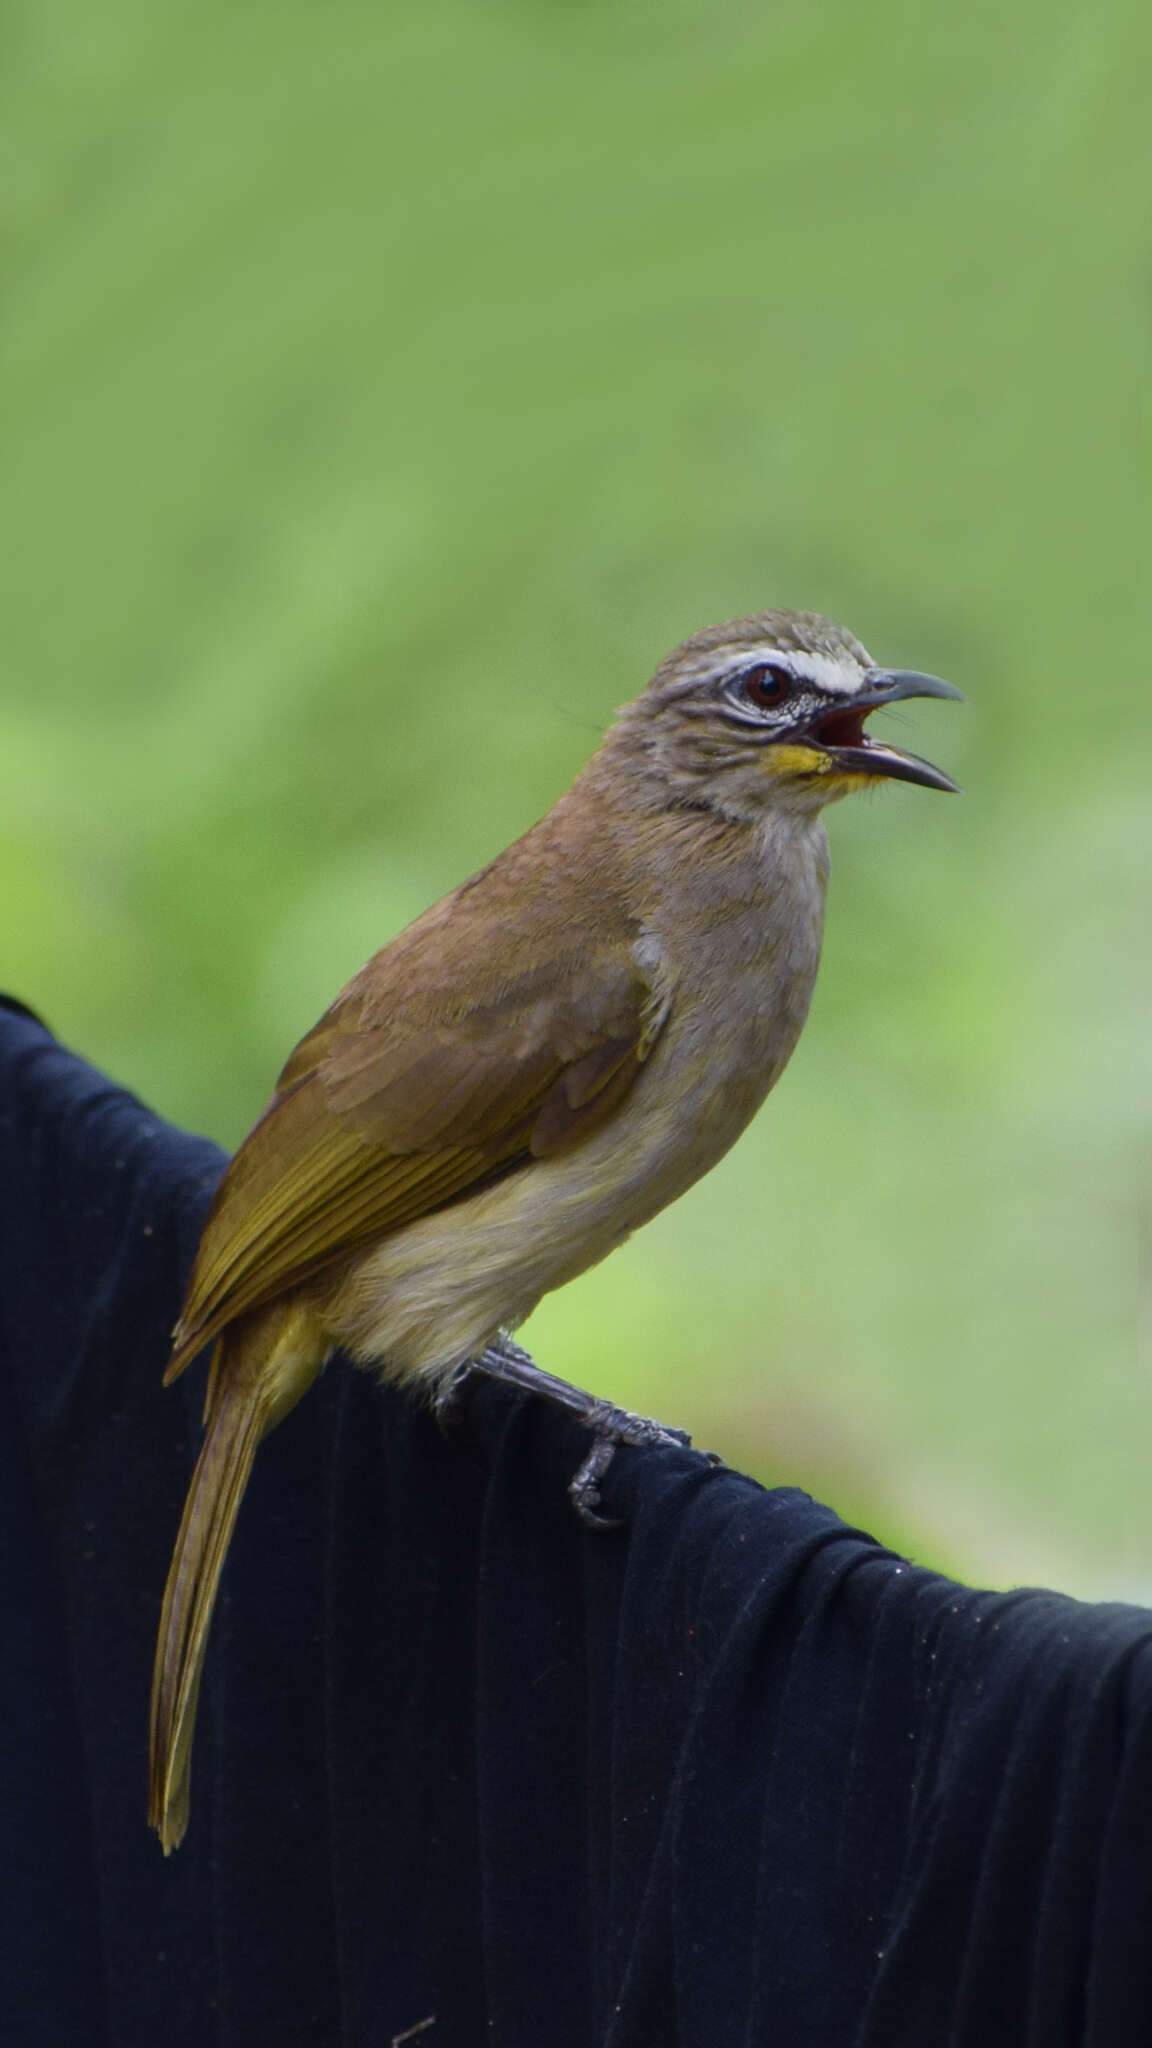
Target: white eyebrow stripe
[{"x": 823, "y": 671}]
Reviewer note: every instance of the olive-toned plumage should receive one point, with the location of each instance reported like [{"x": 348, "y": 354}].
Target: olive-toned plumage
[
  {"x": 503, "y": 1026},
  {"x": 530, "y": 1071}
]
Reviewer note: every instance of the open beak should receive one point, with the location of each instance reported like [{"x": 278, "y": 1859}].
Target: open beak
[{"x": 839, "y": 732}]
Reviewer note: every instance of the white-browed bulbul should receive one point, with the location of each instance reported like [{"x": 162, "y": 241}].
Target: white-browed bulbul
[{"x": 530, "y": 1071}]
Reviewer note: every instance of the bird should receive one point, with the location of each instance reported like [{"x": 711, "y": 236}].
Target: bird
[{"x": 524, "y": 1076}]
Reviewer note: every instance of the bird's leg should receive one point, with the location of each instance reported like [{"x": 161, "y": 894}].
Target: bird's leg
[{"x": 610, "y": 1426}]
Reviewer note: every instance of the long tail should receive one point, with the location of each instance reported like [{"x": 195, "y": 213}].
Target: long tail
[{"x": 260, "y": 1369}]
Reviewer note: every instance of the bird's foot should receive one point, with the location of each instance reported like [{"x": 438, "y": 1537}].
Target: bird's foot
[{"x": 610, "y": 1426}]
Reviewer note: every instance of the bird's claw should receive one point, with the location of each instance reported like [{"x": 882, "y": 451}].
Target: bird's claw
[{"x": 611, "y": 1427}]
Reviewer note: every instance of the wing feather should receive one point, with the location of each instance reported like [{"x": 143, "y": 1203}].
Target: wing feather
[{"x": 406, "y": 1097}]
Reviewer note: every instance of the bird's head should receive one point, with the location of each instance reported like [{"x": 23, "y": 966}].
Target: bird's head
[{"x": 770, "y": 712}]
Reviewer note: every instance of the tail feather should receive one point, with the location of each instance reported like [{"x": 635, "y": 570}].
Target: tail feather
[
  {"x": 259, "y": 1372},
  {"x": 221, "y": 1475}
]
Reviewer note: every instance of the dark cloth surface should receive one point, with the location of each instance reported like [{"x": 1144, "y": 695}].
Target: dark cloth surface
[{"x": 732, "y": 1775}]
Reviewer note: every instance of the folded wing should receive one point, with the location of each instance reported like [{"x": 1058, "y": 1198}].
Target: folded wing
[{"x": 410, "y": 1094}]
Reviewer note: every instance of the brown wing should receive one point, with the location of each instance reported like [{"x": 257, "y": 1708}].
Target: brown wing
[{"x": 409, "y": 1093}]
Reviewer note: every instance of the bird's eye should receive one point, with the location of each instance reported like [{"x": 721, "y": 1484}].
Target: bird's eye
[{"x": 766, "y": 686}]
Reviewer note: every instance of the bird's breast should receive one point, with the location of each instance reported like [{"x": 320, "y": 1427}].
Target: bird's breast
[
  {"x": 736, "y": 985},
  {"x": 742, "y": 991}
]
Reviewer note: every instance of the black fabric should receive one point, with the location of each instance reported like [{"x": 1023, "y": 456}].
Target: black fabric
[{"x": 733, "y": 1775}]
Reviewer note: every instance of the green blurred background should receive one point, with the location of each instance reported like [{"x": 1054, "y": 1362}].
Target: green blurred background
[{"x": 386, "y": 390}]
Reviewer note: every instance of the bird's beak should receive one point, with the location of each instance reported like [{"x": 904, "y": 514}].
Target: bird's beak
[{"x": 839, "y": 731}]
